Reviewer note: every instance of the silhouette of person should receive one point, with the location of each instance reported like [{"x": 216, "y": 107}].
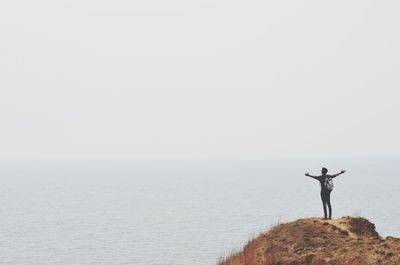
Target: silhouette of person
[{"x": 326, "y": 188}]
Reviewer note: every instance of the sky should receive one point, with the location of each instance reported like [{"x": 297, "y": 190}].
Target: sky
[{"x": 179, "y": 79}]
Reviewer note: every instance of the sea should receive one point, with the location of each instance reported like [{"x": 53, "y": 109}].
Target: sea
[{"x": 175, "y": 212}]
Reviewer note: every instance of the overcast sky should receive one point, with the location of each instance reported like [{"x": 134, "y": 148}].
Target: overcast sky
[{"x": 180, "y": 79}]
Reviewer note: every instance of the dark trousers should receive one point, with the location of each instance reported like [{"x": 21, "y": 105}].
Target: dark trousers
[{"x": 326, "y": 201}]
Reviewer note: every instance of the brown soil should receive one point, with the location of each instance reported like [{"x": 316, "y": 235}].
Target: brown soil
[{"x": 343, "y": 241}]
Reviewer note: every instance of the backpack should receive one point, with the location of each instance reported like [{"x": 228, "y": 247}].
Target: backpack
[{"x": 329, "y": 183}]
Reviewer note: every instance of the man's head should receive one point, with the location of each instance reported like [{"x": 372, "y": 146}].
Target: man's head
[{"x": 324, "y": 170}]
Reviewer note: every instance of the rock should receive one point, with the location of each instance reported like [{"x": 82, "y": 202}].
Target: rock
[{"x": 312, "y": 241}]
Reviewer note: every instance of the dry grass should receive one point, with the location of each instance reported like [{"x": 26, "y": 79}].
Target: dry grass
[{"x": 343, "y": 241}]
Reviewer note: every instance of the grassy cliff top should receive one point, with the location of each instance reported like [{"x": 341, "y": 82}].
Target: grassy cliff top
[{"x": 343, "y": 241}]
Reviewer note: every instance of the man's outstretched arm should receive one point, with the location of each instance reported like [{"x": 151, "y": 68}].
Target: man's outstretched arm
[
  {"x": 311, "y": 176},
  {"x": 340, "y": 173}
]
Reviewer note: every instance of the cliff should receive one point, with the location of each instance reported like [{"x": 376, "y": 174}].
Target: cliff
[{"x": 343, "y": 241}]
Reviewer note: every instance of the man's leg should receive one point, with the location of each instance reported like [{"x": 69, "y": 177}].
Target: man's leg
[
  {"x": 328, "y": 201},
  {"x": 323, "y": 199}
]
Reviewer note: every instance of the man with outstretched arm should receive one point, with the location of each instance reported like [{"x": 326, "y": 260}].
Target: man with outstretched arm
[{"x": 326, "y": 188}]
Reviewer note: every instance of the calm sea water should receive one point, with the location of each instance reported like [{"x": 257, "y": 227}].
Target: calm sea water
[{"x": 173, "y": 213}]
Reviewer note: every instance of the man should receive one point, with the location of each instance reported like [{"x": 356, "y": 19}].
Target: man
[{"x": 326, "y": 188}]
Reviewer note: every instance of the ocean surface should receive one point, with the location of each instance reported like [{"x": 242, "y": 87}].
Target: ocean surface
[{"x": 174, "y": 212}]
